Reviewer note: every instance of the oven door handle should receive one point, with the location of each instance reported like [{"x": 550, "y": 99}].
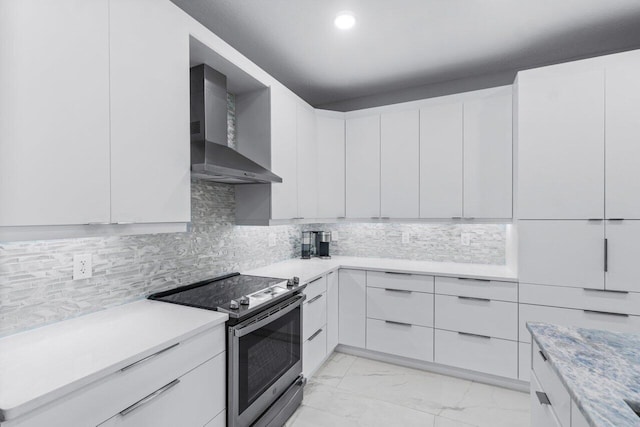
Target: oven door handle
[{"x": 242, "y": 331}]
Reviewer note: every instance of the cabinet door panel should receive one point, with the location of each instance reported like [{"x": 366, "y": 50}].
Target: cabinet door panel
[
  {"x": 352, "y": 308},
  {"x": 562, "y": 253},
  {"x": 623, "y": 139},
  {"x": 400, "y": 164},
  {"x": 331, "y": 167},
  {"x": 333, "y": 299},
  {"x": 488, "y": 156},
  {"x": 363, "y": 167},
  {"x": 54, "y": 112},
  {"x": 307, "y": 162},
  {"x": 150, "y": 161},
  {"x": 561, "y": 143},
  {"x": 441, "y": 161},
  {"x": 623, "y": 272},
  {"x": 284, "y": 155}
]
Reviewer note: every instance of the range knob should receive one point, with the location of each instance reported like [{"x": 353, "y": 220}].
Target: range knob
[
  {"x": 296, "y": 280},
  {"x": 290, "y": 283},
  {"x": 244, "y": 300},
  {"x": 234, "y": 305}
]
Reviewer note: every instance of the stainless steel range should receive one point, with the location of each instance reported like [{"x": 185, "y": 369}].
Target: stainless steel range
[{"x": 264, "y": 343}]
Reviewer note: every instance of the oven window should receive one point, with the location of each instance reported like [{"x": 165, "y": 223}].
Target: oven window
[{"x": 266, "y": 354}]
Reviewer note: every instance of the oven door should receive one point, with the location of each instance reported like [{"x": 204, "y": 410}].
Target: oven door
[{"x": 265, "y": 358}]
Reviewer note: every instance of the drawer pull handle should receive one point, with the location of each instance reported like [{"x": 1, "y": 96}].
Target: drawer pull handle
[
  {"x": 473, "y": 280},
  {"x": 606, "y": 255},
  {"x": 318, "y": 332},
  {"x": 402, "y": 291},
  {"x": 611, "y": 291},
  {"x": 543, "y": 398},
  {"x": 150, "y": 397},
  {"x": 606, "y": 313},
  {"x": 149, "y": 357},
  {"x": 543, "y": 356},
  {"x": 467, "y": 334},
  {"x": 397, "y": 273},
  {"x": 616, "y": 219},
  {"x": 391, "y": 322},
  {"x": 314, "y": 299},
  {"x": 475, "y": 299},
  {"x": 314, "y": 280},
  {"x": 385, "y": 217},
  {"x": 456, "y": 217}
]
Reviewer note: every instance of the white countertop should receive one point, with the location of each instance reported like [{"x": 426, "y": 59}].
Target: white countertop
[
  {"x": 43, "y": 364},
  {"x": 309, "y": 269}
]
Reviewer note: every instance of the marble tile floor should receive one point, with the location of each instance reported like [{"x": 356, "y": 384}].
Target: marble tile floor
[{"x": 353, "y": 391}]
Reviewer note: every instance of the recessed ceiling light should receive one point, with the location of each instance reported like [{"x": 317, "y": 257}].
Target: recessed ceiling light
[{"x": 345, "y": 20}]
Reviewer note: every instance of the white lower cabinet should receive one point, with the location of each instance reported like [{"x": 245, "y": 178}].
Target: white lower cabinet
[
  {"x": 477, "y": 353},
  {"x": 480, "y": 316},
  {"x": 180, "y": 384},
  {"x": 551, "y": 404},
  {"x": 524, "y": 361},
  {"x": 352, "y": 308},
  {"x": 415, "y": 308},
  {"x": 571, "y": 317},
  {"x": 333, "y": 301},
  {"x": 314, "y": 352},
  {"x": 314, "y": 315},
  {"x": 542, "y": 414},
  {"x": 401, "y": 339},
  {"x": 191, "y": 400}
]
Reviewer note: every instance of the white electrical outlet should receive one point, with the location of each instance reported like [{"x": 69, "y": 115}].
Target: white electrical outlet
[
  {"x": 272, "y": 239},
  {"x": 335, "y": 236},
  {"x": 406, "y": 237},
  {"x": 82, "y": 268},
  {"x": 465, "y": 239}
]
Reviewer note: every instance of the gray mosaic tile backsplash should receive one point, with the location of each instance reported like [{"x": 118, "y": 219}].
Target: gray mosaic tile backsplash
[
  {"x": 36, "y": 285},
  {"x": 427, "y": 242}
]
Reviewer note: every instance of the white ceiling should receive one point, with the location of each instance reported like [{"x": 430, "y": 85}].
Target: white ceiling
[{"x": 398, "y": 44}]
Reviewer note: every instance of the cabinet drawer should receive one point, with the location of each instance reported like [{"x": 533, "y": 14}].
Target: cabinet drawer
[
  {"x": 572, "y": 317},
  {"x": 315, "y": 287},
  {"x": 551, "y": 385},
  {"x": 590, "y": 299},
  {"x": 102, "y": 399},
  {"x": 479, "y": 288},
  {"x": 411, "y": 307},
  {"x": 542, "y": 415},
  {"x": 404, "y": 281},
  {"x": 490, "y": 355},
  {"x": 191, "y": 400},
  {"x": 314, "y": 352},
  {"x": 477, "y": 316},
  {"x": 524, "y": 361},
  {"x": 314, "y": 315},
  {"x": 405, "y": 340}
]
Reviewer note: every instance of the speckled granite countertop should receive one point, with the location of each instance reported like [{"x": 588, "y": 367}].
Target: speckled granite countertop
[{"x": 600, "y": 369}]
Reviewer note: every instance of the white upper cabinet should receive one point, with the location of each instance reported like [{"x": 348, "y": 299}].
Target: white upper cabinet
[
  {"x": 561, "y": 142},
  {"x": 54, "y": 112},
  {"x": 284, "y": 154},
  {"x": 150, "y": 138},
  {"x": 488, "y": 155},
  {"x": 623, "y": 246},
  {"x": 441, "y": 161},
  {"x": 363, "y": 167},
  {"x": 562, "y": 253},
  {"x": 400, "y": 164},
  {"x": 307, "y": 162},
  {"x": 623, "y": 138},
  {"x": 331, "y": 166}
]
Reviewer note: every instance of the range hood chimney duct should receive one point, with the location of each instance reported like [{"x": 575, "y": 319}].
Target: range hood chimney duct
[{"x": 212, "y": 158}]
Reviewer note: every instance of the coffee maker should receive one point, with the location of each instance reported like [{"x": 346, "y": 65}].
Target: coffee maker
[{"x": 316, "y": 244}]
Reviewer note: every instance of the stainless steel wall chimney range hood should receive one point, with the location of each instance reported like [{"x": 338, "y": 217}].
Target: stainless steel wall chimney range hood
[{"x": 212, "y": 158}]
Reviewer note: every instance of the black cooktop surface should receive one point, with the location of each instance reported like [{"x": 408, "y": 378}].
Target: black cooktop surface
[{"x": 216, "y": 294}]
